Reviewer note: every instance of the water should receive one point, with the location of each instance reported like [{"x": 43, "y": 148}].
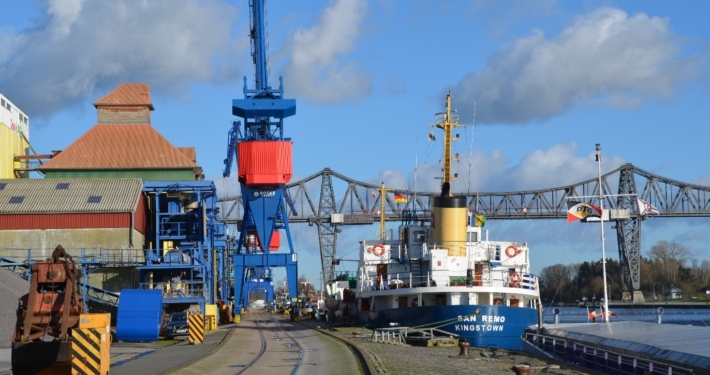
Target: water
[{"x": 694, "y": 317}]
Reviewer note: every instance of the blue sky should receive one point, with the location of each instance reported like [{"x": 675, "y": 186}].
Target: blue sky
[{"x": 548, "y": 80}]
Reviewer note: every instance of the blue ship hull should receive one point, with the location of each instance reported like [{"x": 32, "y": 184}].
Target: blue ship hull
[{"x": 495, "y": 327}]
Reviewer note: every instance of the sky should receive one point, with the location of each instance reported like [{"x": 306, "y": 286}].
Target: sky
[{"x": 537, "y": 84}]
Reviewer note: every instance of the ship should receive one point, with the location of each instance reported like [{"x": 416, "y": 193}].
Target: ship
[{"x": 445, "y": 275}]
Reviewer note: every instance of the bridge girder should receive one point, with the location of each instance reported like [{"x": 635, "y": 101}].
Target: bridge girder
[{"x": 360, "y": 204}]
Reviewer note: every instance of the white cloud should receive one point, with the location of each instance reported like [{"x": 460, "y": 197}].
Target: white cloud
[
  {"x": 541, "y": 169},
  {"x": 314, "y": 69},
  {"x": 86, "y": 48},
  {"x": 64, "y": 13},
  {"x": 604, "y": 58}
]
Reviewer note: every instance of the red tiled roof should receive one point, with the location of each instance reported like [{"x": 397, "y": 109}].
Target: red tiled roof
[
  {"x": 120, "y": 146},
  {"x": 189, "y": 152},
  {"x": 127, "y": 94}
]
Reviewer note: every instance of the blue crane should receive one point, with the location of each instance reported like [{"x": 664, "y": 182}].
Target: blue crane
[{"x": 264, "y": 168}]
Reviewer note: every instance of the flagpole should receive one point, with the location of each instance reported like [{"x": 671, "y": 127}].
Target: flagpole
[{"x": 601, "y": 207}]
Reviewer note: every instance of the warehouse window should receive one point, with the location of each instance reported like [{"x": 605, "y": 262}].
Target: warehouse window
[
  {"x": 94, "y": 199},
  {"x": 16, "y": 200},
  {"x": 62, "y": 186},
  {"x": 2, "y": 102}
]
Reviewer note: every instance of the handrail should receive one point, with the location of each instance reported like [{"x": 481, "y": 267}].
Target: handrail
[
  {"x": 398, "y": 280},
  {"x": 399, "y": 334},
  {"x": 99, "y": 257},
  {"x": 602, "y": 360}
]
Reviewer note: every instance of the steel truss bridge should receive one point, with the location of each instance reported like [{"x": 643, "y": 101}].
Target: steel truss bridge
[{"x": 313, "y": 200}]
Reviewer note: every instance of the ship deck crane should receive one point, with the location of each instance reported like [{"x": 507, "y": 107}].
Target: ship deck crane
[{"x": 264, "y": 168}]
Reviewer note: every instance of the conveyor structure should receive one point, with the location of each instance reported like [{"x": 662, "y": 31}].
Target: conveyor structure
[{"x": 187, "y": 260}]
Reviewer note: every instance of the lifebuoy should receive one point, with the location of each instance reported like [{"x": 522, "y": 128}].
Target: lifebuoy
[
  {"x": 378, "y": 249},
  {"x": 514, "y": 280},
  {"x": 415, "y": 302},
  {"x": 498, "y": 301},
  {"x": 512, "y": 251}
]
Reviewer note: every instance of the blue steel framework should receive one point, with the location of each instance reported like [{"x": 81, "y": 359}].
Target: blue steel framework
[
  {"x": 263, "y": 110},
  {"x": 187, "y": 249}
]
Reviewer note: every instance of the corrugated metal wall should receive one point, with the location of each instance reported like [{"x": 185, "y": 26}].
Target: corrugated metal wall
[
  {"x": 65, "y": 221},
  {"x": 11, "y": 144},
  {"x": 146, "y": 175}
]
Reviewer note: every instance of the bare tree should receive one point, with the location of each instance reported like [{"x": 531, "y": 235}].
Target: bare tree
[
  {"x": 701, "y": 272},
  {"x": 670, "y": 256}
]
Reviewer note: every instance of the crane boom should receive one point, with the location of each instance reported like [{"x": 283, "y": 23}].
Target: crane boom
[{"x": 258, "y": 44}]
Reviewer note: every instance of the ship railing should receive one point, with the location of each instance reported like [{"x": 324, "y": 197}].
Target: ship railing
[
  {"x": 528, "y": 281},
  {"x": 600, "y": 360},
  {"x": 398, "y": 281},
  {"x": 409, "y": 280}
]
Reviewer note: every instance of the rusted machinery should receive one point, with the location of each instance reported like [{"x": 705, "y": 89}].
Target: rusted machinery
[{"x": 42, "y": 342}]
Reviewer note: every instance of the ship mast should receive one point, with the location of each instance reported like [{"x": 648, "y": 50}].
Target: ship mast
[{"x": 447, "y": 122}]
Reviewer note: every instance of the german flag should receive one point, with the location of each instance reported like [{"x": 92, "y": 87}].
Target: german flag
[{"x": 398, "y": 198}]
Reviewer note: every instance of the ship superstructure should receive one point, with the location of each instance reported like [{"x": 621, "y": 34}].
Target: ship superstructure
[{"x": 447, "y": 274}]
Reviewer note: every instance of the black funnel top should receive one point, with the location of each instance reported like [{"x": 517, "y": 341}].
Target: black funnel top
[{"x": 445, "y": 189}]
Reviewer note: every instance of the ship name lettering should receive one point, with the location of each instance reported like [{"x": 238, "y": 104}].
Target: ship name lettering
[
  {"x": 493, "y": 319},
  {"x": 484, "y": 318},
  {"x": 478, "y": 327}
]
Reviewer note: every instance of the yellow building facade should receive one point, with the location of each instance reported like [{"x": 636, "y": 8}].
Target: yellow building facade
[{"x": 14, "y": 138}]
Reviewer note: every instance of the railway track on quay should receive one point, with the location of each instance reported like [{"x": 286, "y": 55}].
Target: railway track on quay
[{"x": 267, "y": 344}]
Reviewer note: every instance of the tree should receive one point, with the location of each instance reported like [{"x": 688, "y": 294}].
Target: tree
[
  {"x": 670, "y": 256},
  {"x": 554, "y": 279},
  {"x": 701, "y": 272}
]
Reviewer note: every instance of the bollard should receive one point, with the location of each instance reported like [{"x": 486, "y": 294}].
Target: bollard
[
  {"x": 521, "y": 369},
  {"x": 556, "y": 311},
  {"x": 659, "y": 312},
  {"x": 464, "y": 345}
]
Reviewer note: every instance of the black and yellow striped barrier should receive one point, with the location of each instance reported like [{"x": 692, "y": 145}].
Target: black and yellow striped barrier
[
  {"x": 86, "y": 351},
  {"x": 195, "y": 329}
]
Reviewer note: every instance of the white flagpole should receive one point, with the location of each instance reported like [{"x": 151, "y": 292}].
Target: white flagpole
[{"x": 601, "y": 207}]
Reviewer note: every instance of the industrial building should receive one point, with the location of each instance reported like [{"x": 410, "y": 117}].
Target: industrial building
[
  {"x": 130, "y": 208},
  {"x": 14, "y": 137}
]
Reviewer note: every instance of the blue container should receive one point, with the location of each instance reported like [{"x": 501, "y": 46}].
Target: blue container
[{"x": 140, "y": 313}]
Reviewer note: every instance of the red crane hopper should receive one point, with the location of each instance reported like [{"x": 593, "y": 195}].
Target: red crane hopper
[{"x": 265, "y": 163}]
